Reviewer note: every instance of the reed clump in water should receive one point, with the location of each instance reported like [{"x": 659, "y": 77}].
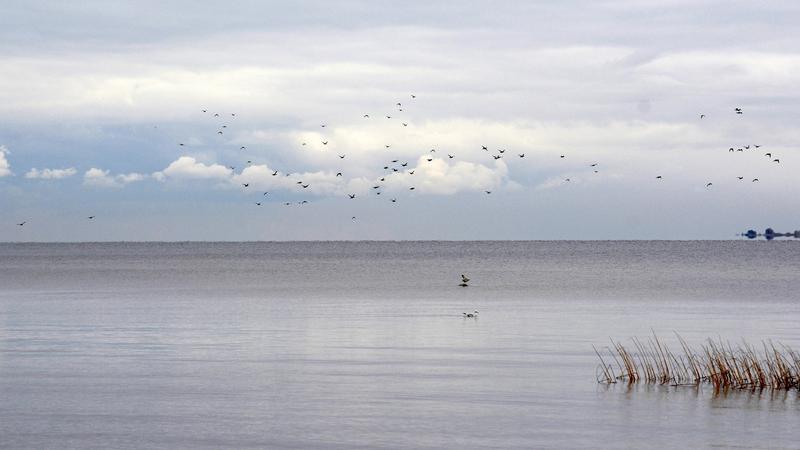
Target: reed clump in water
[{"x": 718, "y": 363}]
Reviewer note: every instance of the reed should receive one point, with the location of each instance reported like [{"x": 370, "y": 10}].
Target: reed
[{"x": 718, "y": 363}]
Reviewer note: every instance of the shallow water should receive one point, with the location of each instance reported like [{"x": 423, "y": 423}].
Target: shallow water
[{"x": 362, "y": 344}]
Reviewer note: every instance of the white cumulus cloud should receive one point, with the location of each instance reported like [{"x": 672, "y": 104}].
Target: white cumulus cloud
[
  {"x": 5, "y": 167},
  {"x": 102, "y": 178},
  {"x": 188, "y": 168},
  {"x": 50, "y": 174}
]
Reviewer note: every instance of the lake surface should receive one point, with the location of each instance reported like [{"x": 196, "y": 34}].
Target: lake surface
[{"x": 363, "y": 345}]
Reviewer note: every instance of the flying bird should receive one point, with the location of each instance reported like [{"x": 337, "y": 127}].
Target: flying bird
[
  {"x": 21, "y": 224},
  {"x": 341, "y": 156},
  {"x": 741, "y": 178},
  {"x": 702, "y": 115},
  {"x": 246, "y": 184},
  {"x": 451, "y": 156},
  {"x": 709, "y": 184},
  {"x": 522, "y": 155},
  {"x": 351, "y": 195},
  {"x": 90, "y": 217},
  {"x": 488, "y": 192},
  {"x": 324, "y": 142},
  {"x": 274, "y": 173},
  {"x": 338, "y": 174},
  {"x": 776, "y": 160},
  {"x": 658, "y": 177},
  {"x": 754, "y": 180},
  {"x": 258, "y": 203}
]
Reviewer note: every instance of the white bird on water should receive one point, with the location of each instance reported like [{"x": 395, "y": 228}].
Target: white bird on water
[{"x": 471, "y": 315}]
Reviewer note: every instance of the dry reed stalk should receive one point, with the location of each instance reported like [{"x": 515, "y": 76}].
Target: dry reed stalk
[{"x": 718, "y": 363}]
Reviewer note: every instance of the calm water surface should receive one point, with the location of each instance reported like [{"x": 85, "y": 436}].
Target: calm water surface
[{"x": 362, "y": 344}]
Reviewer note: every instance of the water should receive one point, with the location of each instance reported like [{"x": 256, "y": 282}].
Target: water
[{"x": 362, "y": 345}]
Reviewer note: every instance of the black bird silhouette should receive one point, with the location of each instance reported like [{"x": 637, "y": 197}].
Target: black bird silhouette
[
  {"x": 366, "y": 115},
  {"x": 747, "y": 147},
  {"x": 216, "y": 114},
  {"x": 341, "y": 156},
  {"x": 709, "y": 184},
  {"x": 338, "y": 174},
  {"x": 488, "y": 192},
  {"x": 351, "y": 195},
  {"x": 768, "y": 155},
  {"x": 501, "y": 151},
  {"x": 450, "y": 156},
  {"x": 388, "y": 117},
  {"x": 394, "y": 200},
  {"x": 756, "y": 145},
  {"x": 299, "y": 182},
  {"x": 413, "y": 96},
  {"x": 205, "y": 110},
  {"x": 375, "y": 187},
  {"x": 702, "y": 115},
  {"x": 405, "y": 124},
  {"x": 324, "y": 142},
  {"x": 562, "y": 156},
  {"x": 430, "y": 159},
  {"x": 305, "y": 186},
  {"x": 387, "y": 145},
  {"x": 754, "y": 180},
  {"x": 658, "y": 177},
  {"x": 594, "y": 165},
  {"x": 224, "y": 126},
  {"x": 21, "y": 224},
  {"x": 522, "y": 155},
  {"x": 246, "y": 184},
  {"x": 395, "y": 160},
  {"x": 323, "y": 125},
  {"x": 411, "y": 188},
  {"x": 566, "y": 179},
  {"x": 730, "y": 149},
  {"x": 776, "y": 160},
  {"x": 258, "y": 203},
  {"x": 303, "y": 143},
  {"x": 219, "y": 132},
  {"x": 404, "y": 164},
  {"x": 181, "y": 144},
  {"x": 242, "y": 147},
  {"x": 265, "y": 193},
  {"x": 741, "y": 178},
  {"x": 274, "y": 173},
  {"x": 496, "y": 156},
  {"x": 484, "y": 148},
  {"x": 411, "y": 172},
  {"x": 91, "y": 217}
]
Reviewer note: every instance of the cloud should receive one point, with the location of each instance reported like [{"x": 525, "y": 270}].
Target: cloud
[
  {"x": 188, "y": 168},
  {"x": 102, "y": 178},
  {"x": 440, "y": 177},
  {"x": 5, "y": 167},
  {"x": 50, "y": 174}
]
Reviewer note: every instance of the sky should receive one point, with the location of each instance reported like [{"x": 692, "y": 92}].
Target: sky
[{"x": 102, "y": 114}]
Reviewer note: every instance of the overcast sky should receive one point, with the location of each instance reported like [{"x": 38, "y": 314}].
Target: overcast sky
[{"x": 97, "y": 97}]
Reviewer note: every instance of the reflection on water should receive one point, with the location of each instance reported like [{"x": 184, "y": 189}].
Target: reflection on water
[{"x": 364, "y": 345}]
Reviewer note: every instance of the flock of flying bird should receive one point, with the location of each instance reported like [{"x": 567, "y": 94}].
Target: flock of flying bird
[{"x": 396, "y": 166}]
